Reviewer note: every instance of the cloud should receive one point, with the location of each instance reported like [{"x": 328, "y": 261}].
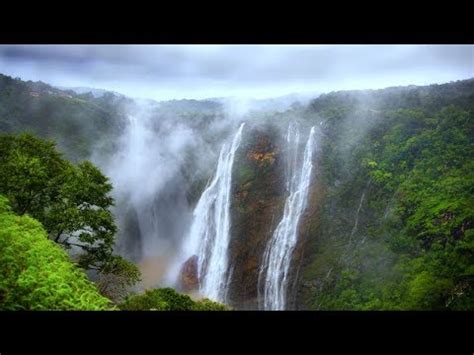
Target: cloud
[{"x": 200, "y": 71}]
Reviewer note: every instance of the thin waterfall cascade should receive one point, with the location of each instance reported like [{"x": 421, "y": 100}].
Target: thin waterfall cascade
[
  {"x": 275, "y": 267},
  {"x": 210, "y": 231},
  {"x": 356, "y": 222},
  {"x": 389, "y": 206}
]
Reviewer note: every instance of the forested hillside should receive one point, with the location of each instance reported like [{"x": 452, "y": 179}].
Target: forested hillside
[
  {"x": 78, "y": 123},
  {"x": 395, "y": 230}
]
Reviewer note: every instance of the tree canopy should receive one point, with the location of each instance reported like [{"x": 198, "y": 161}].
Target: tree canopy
[
  {"x": 72, "y": 202},
  {"x": 167, "y": 299},
  {"x": 414, "y": 246},
  {"x": 36, "y": 274}
]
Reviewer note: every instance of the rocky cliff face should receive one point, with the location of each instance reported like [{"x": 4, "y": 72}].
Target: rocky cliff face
[
  {"x": 309, "y": 225},
  {"x": 258, "y": 199}
]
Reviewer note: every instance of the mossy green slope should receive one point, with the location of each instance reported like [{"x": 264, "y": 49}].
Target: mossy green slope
[{"x": 36, "y": 274}]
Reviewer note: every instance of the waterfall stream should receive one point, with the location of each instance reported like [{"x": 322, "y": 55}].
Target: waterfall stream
[
  {"x": 209, "y": 235},
  {"x": 274, "y": 270},
  {"x": 356, "y": 222}
]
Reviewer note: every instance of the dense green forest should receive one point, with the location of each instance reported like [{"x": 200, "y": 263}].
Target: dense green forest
[
  {"x": 36, "y": 274},
  {"x": 395, "y": 231},
  {"x": 393, "y": 228},
  {"x": 78, "y": 123}
]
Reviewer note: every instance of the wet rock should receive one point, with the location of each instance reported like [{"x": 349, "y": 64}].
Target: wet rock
[
  {"x": 188, "y": 275},
  {"x": 258, "y": 199}
]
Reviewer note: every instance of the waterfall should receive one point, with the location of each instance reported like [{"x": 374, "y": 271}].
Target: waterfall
[
  {"x": 152, "y": 211},
  {"x": 389, "y": 205},
  {"x": 209, "y": 235},
  {"x": 356, "y": 222},
  {"x": 278, "y": 252}
]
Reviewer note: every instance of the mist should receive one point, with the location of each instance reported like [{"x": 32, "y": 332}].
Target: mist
[
  {"x": 179, "y": 105},
  {"x": 167, "y": 72}
]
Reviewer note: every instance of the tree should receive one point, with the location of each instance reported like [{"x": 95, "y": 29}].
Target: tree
[
  {"x": 36, "y": 274},
  {"x": 81, "y": 216},
  {"x": 116, "y": 276},
  {"x": 72, "y": 202},
  {"x": 31, "y": 171}
]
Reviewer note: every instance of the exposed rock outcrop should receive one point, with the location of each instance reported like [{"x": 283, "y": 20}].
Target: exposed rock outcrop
[
  {"x": 188, "y": 276},
  {"x": 258, "y": 199}
]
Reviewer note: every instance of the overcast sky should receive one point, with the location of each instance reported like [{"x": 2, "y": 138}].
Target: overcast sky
[{"x": 164, "y": 72}]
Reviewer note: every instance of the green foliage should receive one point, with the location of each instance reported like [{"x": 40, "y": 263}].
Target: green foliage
[
  {"x": 413, "y": 248},
  {"x": 167, "y": 299},
  {"x": 30, "y": 172},
  {"x": 426, "y": 291},
  {"x": 208, "y": 305},
  {"x": 35, "y": 274},
  {"x": 164, "y": 299},
  {"x": 116, "y": 276},
  {"x": 72, "y": 202},
  {"x": 79, "y": 123}
]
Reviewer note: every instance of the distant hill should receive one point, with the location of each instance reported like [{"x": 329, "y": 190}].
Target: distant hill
[
  {"x": 430, "y": 97},
  {"x": 77, "y": 122},
  {"x": 269, "y": 105},
  {"x": 85, "y": 90},
  {"x": 80, "y": 118}
]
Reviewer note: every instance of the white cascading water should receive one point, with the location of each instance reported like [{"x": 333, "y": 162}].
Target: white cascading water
[
  {"x": 278, "y": 252},
  {"x": 356, "y": 222},
  {"x": 209, "y": 235}
]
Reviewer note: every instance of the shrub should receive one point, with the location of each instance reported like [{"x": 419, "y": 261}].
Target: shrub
[
  {"x": 208, "y": 305},
  {"x": 167, "y": 299},
  {"x": 35, "y": 273}
]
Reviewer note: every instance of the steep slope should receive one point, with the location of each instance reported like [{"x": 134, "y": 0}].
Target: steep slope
[
  {"x": 258, "y": 197},
  {"x": 395, "y": 227}
]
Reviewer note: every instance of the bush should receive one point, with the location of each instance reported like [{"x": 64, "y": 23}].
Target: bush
[
  {"x": 35, "y": 273},
  {"x": 167, "y": 299},
  {"x": 208, "y": 305},
  {"x": 163, "y": 299}
]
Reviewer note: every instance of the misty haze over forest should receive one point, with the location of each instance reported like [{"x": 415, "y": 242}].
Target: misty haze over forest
[
  {"x": 249, "y": 177},
  {"x": 168, "y": 72}
]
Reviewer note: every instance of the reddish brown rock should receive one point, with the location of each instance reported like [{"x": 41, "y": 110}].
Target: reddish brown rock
[
  {"x": 188, "y": 275},
  {"x": 257, "y": 205}
]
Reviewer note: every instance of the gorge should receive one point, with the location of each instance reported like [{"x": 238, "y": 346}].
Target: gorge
[{"x": 353, "y": 200}]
